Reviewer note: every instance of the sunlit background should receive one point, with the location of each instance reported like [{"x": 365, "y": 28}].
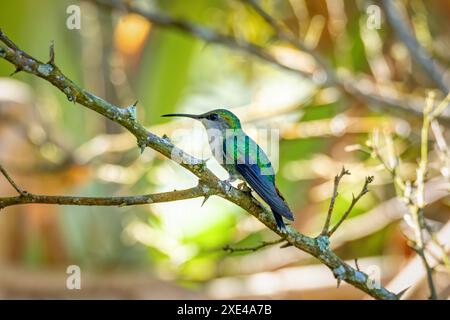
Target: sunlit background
[{"x": 175, "y": 250}]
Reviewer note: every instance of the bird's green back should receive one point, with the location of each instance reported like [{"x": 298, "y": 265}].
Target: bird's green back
[{"x": 247, "y": 151}]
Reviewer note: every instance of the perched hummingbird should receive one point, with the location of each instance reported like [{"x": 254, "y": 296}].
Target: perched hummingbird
[{"x": 242, "y": 158}]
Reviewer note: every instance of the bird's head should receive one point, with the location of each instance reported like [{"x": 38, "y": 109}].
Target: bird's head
[{"x": 221, "y": 119}]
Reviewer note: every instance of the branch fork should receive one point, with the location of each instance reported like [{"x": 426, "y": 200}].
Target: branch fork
[{"x": 327, "y": 231}]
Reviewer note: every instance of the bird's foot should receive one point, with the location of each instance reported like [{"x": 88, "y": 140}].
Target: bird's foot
[
  {"x": 283, "y": 229},
  {"x": 244, "y": 187}
]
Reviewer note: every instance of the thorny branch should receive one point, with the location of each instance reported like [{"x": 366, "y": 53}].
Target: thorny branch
[{"x": 317, "y": 247}]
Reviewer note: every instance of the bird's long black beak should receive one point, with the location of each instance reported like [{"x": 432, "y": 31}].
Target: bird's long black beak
[{"x": 186, "y": 115}]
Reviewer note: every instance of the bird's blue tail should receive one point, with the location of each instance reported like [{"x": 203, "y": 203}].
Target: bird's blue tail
[
  {"x": 266, "y": 189},
  {"x": 279, "y": 220}
]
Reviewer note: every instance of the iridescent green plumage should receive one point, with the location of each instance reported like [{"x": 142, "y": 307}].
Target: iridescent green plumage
[{"x": 242, "y": 158}]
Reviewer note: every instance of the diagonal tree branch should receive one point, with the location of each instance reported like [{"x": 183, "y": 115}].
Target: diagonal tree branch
[
  {"x": 207, "y": 35},
  {"x": 345, "y": 84},
  {"x": 317, "y": 247},
  {"x": 397, "y": 20},
  {"x": 284, "y": 34}
]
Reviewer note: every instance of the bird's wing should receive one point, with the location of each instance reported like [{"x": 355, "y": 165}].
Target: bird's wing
[
  {"x": 265, "y": 188},
  {"x": 239, "y": 148},
  {"x": 254, "y": 166}
]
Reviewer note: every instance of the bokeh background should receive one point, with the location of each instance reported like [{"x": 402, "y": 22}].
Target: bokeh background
[{"x": 175, "y": 250}]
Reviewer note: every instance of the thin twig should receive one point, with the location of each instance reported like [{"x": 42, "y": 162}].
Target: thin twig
[
  {"x": 357, "y": 265},
  {"x": 363, "y": 191},
  {"x": 27, "y": 198},
  {"x": 337, "y": 180},
  {"x": 263, "y": 244},
  {"x": 51, "y": 54},
  {"x": 11, "y": 181}
]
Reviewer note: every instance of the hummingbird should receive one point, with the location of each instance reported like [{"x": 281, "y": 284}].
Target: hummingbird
[{"x": 242, "y": 158}]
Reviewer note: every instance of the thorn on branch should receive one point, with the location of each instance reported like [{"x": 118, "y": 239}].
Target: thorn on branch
[
  {"x": 205, "y": 199},
  {"x": 130, "y": 112},
  {"x": 51, "y": 54},
  {"x": 17, "y": 70},
  {"x": 401, "y": 293},
  {"x": 142, "y": 143},
  {"x": 339, "y": 274},
  {"x": 357, "y": 265},
  {"x": 286, "y": 245},
  {"x": 166, "y": 137},
  {"x": 69, "y": 94}
]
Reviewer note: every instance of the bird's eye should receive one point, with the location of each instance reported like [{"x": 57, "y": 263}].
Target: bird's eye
[{"x": 213, "y": 117}]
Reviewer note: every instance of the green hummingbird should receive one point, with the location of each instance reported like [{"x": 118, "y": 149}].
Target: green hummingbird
[{"x": 242, "y": 158}]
